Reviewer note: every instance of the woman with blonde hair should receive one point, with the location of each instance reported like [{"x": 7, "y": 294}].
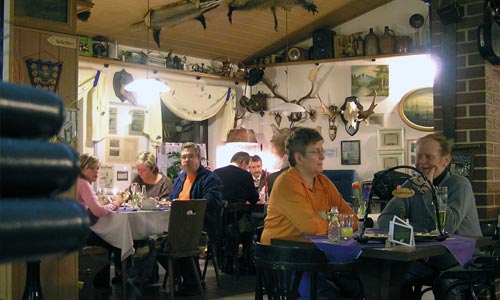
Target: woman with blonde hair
[
  {"x": 86, "y": 196},
  {"x": 148, "y": 174}
]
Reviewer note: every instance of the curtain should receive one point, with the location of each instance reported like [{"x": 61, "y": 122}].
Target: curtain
[
  {"x": 153, "y": 124},
  {"x": 196, "y": 101},
  {"x": 92, "y": 87}
]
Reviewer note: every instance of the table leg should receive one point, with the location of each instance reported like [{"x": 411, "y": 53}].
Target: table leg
[
  {"x": 124, "y": 279},
  {"x": 381, "y": 278}
]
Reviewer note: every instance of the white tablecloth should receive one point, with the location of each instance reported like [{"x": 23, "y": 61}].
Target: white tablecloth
[{"x": 121, "y": 228}]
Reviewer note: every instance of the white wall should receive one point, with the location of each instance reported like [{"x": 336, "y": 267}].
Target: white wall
[{"x": 406, "y": 73}]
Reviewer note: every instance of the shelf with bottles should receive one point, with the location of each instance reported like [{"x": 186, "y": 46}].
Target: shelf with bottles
[
  {"x": 197, "y": 75},
  {"x": 339, "y": 59}
]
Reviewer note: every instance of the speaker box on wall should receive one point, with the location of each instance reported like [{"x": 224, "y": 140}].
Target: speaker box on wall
[{"x": 323, "y": 44}]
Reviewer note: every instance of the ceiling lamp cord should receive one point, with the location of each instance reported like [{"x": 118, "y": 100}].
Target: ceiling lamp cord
[{"x": 286, "y": 51}]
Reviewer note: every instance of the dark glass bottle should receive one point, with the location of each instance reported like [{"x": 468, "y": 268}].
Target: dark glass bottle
[
  {"x": 33, "y": 288},
  {"x": 371, "y": 43}
]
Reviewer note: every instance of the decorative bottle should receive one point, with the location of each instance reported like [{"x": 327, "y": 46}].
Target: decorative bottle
[
  {"x": 333, "y": 225},
  {"x": 387, "y": 41},
  {"x": 371, "y": 43}
]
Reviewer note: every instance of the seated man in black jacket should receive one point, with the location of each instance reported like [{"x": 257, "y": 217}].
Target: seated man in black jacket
[{"x": 238, "y": 187}]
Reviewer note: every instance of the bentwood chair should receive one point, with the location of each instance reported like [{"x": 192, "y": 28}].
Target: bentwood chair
[
  {"x": 184, "y": 232},
  {"x": 477, "y": 280},
  {"x": 280, "y": 270}
]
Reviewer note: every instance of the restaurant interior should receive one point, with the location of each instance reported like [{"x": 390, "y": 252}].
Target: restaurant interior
[{"x": 372, "y": 78}]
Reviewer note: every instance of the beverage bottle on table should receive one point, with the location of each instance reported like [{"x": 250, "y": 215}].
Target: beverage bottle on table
[{"x": 333, "y": 225}]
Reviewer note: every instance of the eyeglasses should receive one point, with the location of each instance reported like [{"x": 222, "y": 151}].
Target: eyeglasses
[
  {"x": 188, "y": 156},
  {"x": 317, "y": 152}
]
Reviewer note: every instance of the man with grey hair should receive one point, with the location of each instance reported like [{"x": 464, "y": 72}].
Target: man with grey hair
[{"x": 238, "y": 188}]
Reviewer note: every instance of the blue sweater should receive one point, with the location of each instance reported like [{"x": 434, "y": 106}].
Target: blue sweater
[{"x": 207, "y": 185}]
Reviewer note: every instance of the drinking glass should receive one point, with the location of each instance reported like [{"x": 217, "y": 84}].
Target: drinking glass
[
  {"x": 442, "y": 197},
  {"x": 346, "y": 225}
]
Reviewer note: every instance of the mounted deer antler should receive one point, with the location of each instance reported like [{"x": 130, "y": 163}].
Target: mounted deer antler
[
  {"x": 313, "y": 74},
  {"x": 332, "y": 112},
  {"x": 364, "y": 115}
]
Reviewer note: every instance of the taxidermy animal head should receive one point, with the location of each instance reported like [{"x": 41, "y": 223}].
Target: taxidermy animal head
[
  {"x": 278, "y": 140},
  {"x": 352, "y": 113},
  {"x": 332, "y": 112},
  {"x": 296, "y": 116},
  {"x": 272, "y": 4},
  {"x": 173, "y": 14}
]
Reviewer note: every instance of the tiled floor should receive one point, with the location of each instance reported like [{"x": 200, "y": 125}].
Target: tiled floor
[{"x": 230, "y": 288}]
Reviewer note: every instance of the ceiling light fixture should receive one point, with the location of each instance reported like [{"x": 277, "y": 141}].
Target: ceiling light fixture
[{"x": 147, "y": 86}]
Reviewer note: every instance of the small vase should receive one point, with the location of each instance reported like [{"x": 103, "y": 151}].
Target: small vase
[
  {"x": 387, "y": 41},
  {"x": 371, "y": 43}
]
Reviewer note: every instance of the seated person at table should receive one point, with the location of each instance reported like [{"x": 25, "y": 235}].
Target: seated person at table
[
  {"x": 238, "y": 187},
  {"x": 301, "y": 197},
  {"x": 157, "y": 184},
  {"x": 433, "y": 157},
  {"x": 196, "y": 182},
  {"x": 89, "y": 172},
  {"x": 259, "y": 177}
]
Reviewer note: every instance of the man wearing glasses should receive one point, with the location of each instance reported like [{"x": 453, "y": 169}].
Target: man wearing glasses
[{"x": 196, "y": 182}]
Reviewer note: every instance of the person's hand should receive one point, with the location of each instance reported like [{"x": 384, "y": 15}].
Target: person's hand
[{"x": 119, "y": 199}]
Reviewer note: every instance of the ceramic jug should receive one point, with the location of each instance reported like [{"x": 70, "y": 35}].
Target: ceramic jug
[
  {"x": 387, "y": 41},
  {"x": 371, "y": 43}
]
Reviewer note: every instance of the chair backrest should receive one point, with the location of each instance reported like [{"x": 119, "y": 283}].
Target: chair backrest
[
  {"x": 185, "y": 225},
  {"x": 280, "y": 268}
]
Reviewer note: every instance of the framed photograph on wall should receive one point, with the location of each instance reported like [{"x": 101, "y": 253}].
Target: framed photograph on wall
[
  {"x": 351, "y": 153},
  {"x": 390, "y": 159},
  {"x": 411, "y": 154},
  {"x": 390, "y": 139},
  {"x": 416, "y": 109}
]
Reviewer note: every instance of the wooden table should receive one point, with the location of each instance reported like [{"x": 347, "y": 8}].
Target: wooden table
[
  {"x": 120, "y": 229},
  {"x": 381, "y": 269}
]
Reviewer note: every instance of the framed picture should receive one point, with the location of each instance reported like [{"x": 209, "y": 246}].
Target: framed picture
[
  {"x": 390, "y": 139},
  {"x": 366, "y": 79},
  {"x": 411, "y": 154},
  {"x": 390, "y": 159},
  {"x": 351, "y": 154},
  {"x": 51, "y": 15},
  {"x": 462, "y": 163},
  {"x": 416, "y": 109}
]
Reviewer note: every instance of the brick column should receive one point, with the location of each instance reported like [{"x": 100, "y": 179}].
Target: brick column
[{"x": 477, "y": 107}]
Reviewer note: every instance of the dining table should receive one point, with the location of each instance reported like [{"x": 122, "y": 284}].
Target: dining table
[
  {"x": 380, "y": 268},
  {"x": 122, "y": 227}
]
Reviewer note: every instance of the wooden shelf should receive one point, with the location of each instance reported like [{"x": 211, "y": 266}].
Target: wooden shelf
[
  {"x": 82, "y": 6},
  {"x": 330, "y": 60},
  {"x": 197, "y": 75}
]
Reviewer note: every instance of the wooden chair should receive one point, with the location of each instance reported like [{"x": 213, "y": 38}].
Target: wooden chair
[
  {"x": 280, "y": 269},
  {"x": 231, "y": 214},
  {"x": 478, "y": 279},
  {"x": 184, "y": 232},
  {"x": 91, "y": 259}
]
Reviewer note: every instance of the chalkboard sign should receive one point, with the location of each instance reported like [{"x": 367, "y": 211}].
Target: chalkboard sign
[{"x": 462, "y": 163}]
